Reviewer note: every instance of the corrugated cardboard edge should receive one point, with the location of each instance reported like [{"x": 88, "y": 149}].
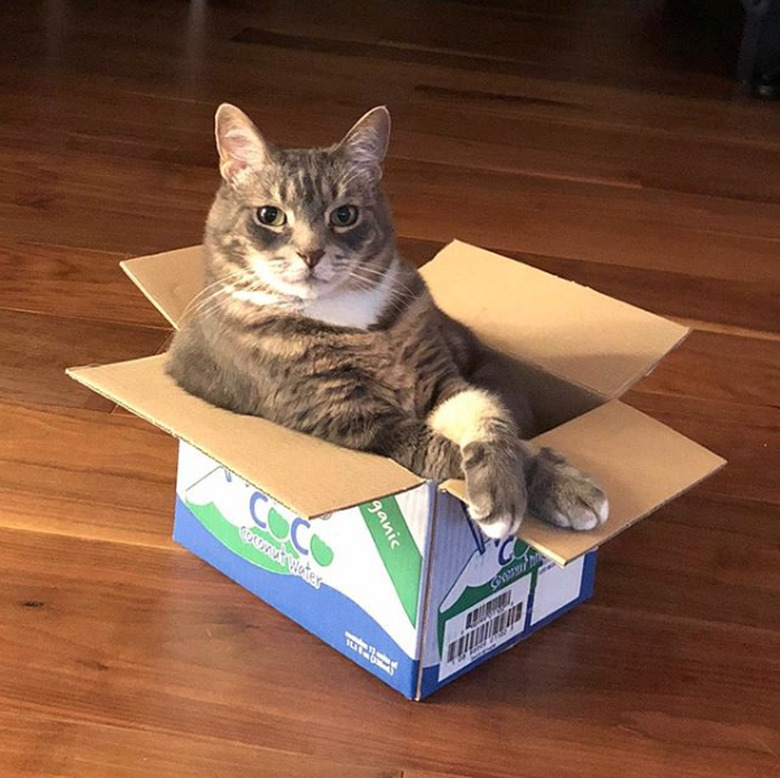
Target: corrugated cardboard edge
[
  {"x": 129, "y": 272},
  {"x": 395, "y": 478},
  {"x": 601, "y": 443},
  {"x": 430, "y": 545}
]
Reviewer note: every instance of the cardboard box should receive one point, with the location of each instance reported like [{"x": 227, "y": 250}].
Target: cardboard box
[{"x": 381, "y": 564}]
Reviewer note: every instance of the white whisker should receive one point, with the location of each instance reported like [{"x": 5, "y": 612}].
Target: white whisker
[{"x": 208, "y": 289}]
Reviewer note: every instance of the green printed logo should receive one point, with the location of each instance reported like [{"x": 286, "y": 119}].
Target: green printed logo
[
  {"x": 397, "y": 550},
  {"x": 267, "y": 539},
  {"x": 516, "y": 559}
]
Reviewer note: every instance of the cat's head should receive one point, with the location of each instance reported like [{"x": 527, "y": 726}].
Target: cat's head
[{"x": 302, "y": 222}]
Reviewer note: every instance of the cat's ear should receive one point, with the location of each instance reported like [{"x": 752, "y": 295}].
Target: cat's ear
[
  {"x": 241, "y": 146},
  {"x": 366, "y": 143}
]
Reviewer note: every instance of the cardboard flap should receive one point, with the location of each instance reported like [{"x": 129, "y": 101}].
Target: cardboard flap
[
  {"x": 170, "y": 280},
  {"x": 309, "y": 476},
  {"x": 569, "y": 330},
  {"x": 639, "y": 462}
]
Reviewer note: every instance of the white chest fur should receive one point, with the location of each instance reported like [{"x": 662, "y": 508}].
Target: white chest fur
[
  {"x": 358, "y": 309},
  {"x": 352, "y": 308}
]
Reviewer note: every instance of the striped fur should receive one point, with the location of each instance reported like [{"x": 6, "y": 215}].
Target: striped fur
[{"x": 353, "y": 350}]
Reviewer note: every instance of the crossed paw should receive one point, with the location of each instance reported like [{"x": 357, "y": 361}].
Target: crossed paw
[{"x": 556, "y": 493}]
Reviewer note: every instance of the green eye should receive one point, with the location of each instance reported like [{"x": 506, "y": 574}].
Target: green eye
[
  {"x": 344, "y": 216},
  {"x": 270, "y": 216}
]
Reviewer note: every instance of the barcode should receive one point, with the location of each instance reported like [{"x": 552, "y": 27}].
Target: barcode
[
  {"x": 486, "y": 610},
  {"x": 473, "y": 640}
]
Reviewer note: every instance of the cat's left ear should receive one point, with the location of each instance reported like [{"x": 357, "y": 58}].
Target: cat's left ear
[{"x": 366, "y": 143}]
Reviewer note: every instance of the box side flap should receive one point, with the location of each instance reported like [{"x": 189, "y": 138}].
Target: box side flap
[
  {"x": 170, "y": 280},
  {"x": 309, "y": 476},
  {"x": 568, "y": 329},
  {"x": 639, "y": 462}
]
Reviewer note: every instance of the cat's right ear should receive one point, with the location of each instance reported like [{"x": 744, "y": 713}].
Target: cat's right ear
[{"x": 241, "y": 146}]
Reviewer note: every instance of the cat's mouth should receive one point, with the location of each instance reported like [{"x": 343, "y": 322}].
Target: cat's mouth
[
  {"x": 308, "y": 279},
  {"x": 313, "y": 283},
  {"x": 308, "y": 285}
]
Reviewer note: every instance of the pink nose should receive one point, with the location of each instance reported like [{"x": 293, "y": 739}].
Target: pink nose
[{"x": 311, "y": 258}]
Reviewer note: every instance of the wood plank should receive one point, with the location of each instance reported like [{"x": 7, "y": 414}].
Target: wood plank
[
  {"x": 682, "y": 565},
  {"x": 508, "y": 211},
  {"x": 86, "y": 474},
  {"x": 38, "y": 348},
  {"x": 61, "y": 281},
  {"x": 167, "y": 208},
  {"x": 146, "y": 129},
  {"x": 545, "y": 217},
  {"x": 42, "y": 746},
  {"x": 432, "y": 123},
  {"x": 428, "y": 774},
  {"x": 720, "y": 366},
  {"x": 169, "y": 652}
]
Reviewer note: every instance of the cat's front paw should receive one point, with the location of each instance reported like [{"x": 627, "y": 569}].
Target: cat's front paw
[
  {"x": 565, "y": 496},
  {"x": 496, "y": 491}
]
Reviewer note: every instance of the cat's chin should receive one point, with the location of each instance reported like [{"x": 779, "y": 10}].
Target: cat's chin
[
  {"x": 313, "y": 287},
  {"x": 307, "y": 289}
]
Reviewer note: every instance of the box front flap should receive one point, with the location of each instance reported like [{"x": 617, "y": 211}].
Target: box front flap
[
  {"x": 569, "y": 330},
  {"x": 171, "y": 280},
  {"x": 639, "y": 462},
  {"x": 309, "y": 476}
]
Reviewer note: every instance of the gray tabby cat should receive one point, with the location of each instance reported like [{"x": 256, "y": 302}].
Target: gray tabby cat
[{"x": 311, "y": 319}]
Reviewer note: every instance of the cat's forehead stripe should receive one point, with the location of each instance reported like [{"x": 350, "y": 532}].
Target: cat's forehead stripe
[{"x": 311, "y": 178}]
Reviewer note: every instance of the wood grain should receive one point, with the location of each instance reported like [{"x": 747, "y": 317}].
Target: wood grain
[
  {"x": 37, "y": 348},
  {"x": 78, "y": 749},
  {"x": 59, "y": 281},
  {"x": 599, "y": 141},
  {"x": 86, "y": 474},
  {"x": 181, "y": 629}
]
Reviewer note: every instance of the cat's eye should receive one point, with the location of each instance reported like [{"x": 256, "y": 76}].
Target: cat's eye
[
  {"x": 344, "y": 216},
  {"x": 270, "y": 216}
]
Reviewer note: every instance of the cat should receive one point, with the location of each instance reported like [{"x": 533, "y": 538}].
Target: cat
[{"x": 312, "y": 320}]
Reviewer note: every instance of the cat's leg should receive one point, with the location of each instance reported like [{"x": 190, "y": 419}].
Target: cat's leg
[
  {"x": 504, "y": 474},
  {"x": 560, "y": 494},
  {"x": 421, "y": 449},
  {"x": 557, "y": 492},
  {"x": 491, "y": 370},
  {"x": 381, "y": 428},
  {"x": 493, "y": 456}
]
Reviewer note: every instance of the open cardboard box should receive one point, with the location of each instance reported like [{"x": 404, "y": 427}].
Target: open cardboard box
[{"x": 381, "y": 564}]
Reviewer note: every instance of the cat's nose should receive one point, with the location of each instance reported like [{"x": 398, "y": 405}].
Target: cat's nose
[{"x": 311, "y": 258}]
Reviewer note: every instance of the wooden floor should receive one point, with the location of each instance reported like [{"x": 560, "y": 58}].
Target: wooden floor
[{"x": 602, "y": 141}]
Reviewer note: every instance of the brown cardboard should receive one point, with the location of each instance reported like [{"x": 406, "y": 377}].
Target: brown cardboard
[
  {"x": 171, "y": 281},
  {"x": 567, "y": 329},
  {"x": 640, "y": 463},
  {"x": 308, "y": 475},
  {"x": 583, "y": 346}
]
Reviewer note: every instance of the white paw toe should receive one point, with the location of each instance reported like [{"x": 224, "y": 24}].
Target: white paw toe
[
  {"x": 500, "y": 527},
  {"x": 585, "y": 520},
  {"x": 604, "y": 511}
]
